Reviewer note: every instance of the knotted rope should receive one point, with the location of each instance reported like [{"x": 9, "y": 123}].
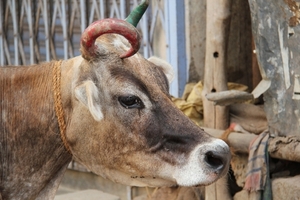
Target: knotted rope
[{"x": 58, "y": 103}]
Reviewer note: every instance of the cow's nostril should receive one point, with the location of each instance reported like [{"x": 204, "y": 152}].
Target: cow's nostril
[{"x": 214, "y": 160}]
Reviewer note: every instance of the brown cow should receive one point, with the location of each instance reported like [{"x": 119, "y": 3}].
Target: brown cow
[{"x": 109, "y": 112}]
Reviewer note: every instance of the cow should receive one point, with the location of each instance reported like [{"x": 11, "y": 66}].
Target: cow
[{"x": 108, "y": 109}]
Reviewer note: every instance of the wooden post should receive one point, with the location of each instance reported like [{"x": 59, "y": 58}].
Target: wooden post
[{"x": 217, "y": 31}]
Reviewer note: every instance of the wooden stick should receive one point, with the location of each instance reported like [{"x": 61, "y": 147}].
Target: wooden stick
[
  {"x": 217, "y": 31},
  {"x": 239, "y": 141},
  {"x": 229, "y": 97},
  {"x": 285, "y": 148}
]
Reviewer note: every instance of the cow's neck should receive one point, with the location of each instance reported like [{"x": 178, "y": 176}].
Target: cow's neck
[{"x": 32, "y": 157}]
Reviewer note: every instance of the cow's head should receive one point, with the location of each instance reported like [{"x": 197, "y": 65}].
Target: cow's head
[{"x": 123, "y": 124}]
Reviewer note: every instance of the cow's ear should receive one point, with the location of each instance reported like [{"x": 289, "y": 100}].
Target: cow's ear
[
  {"x": 164, "y": 66},
  {"x": 87, "y": 94}
]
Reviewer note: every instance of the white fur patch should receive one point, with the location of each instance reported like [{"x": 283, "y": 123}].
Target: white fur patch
[
  {"x": 119, "y": 44},
  {"x": 4, "y": 116},
  {"x": 164, "y": 66},
  {"x": 195, "y": 171},
  {"x": 87, "y": 93}
]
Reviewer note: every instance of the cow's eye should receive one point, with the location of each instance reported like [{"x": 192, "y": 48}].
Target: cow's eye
[{"x": 131, "y": 102}]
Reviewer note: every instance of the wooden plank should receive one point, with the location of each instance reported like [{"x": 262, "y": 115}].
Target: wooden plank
[
  {"x": 238, "y": 141},
  {"x": 228, "y": 97},
  {"x": 215, "y": 80},
  {"x": 285, "y": 148},
  {"x": 217, "y": 30}
]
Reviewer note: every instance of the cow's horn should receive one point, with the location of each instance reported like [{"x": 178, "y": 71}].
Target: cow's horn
[
  {"x": 88, "y": 48},
  {"x": 135, "y": 15},
  {"x": 125, "y": 28}
]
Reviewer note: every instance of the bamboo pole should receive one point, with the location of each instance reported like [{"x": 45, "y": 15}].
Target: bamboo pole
[
  {"x": 285, "y": 148},
  {"x": 238, "y": 141},
  {"x": 229, "y": 97},
  {"x": 215, "y": 80}
]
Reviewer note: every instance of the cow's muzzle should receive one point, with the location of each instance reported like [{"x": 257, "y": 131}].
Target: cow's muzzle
[
  {"x": 216, "y": 156},
  {"x": 207, "y": 163},
  {"x": 217, "y": 159}
]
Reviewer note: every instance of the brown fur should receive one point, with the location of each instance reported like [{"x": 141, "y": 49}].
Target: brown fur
[
  {"x": 141, "y": 133},
  {"x": 32, "y": 153}
]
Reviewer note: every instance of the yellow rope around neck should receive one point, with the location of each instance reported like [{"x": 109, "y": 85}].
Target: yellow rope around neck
[{"x": 58, "y": 103}]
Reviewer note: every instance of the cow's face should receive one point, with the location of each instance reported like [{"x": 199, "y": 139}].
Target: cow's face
[{"x": 124, "y": 126}]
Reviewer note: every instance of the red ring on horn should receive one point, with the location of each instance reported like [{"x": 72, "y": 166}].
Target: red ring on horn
[{"x": 88, "y": 48}]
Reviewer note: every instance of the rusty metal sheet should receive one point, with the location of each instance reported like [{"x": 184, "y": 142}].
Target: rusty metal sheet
[{"x": 275, "y": 26}]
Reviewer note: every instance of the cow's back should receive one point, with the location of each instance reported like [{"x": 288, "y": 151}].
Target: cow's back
[{"x": 32, "y": 153}]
